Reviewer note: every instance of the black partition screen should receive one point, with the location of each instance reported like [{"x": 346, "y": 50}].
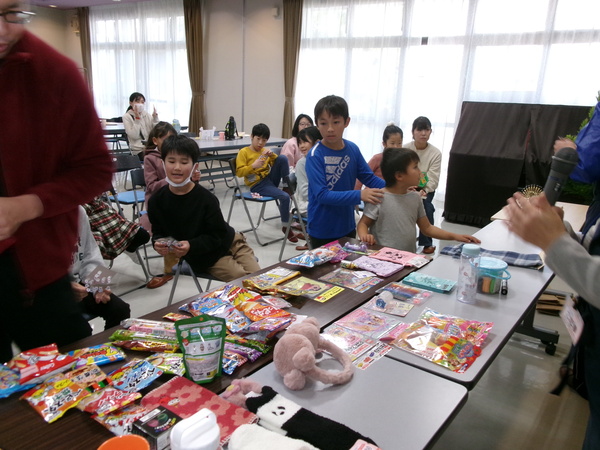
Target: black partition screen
[{"x": 499, "y": 147}]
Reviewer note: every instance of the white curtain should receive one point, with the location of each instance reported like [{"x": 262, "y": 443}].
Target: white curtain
[
  {"x": 140, "y": 47},
  {"x": 396, "y": 60}
]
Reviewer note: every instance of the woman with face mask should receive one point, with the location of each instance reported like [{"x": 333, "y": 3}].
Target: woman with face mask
[{"x": 138, "y": 122}]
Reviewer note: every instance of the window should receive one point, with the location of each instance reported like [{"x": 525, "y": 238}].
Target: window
[
  {"x": 396, "y": 60},
  {"x": 140, "y": 47}
]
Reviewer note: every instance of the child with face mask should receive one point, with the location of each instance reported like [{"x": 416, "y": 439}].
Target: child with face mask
[
  {"x": 138, "y": 122},
  {"x": 190, "y": 216}
]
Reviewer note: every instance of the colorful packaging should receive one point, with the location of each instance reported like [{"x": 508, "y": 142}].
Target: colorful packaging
[
  {"x": 9, "y": 382},
  {"x": 39, "y": 364},
  {"x": 107, "y": 400},
  {"x": 134, "y": 376},
  {"x": 121, "y": 421},
  {"x": 170, "y": 363},
  {"x": 52, "y": 400},
  {"x": 202, "y": 341},
  {"x": 98, "y": 354}
]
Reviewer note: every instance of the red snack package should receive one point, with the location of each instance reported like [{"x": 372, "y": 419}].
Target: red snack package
[
  {"x": 52, "y": 400},
  {"x": 257, "y": 311},
  {"x": 38, "y": 364},
  {"x": 107, "y": 400}
]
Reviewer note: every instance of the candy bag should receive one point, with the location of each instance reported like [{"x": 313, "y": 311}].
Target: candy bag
[
  {"x": 134, "y": 376},
  {"x": 121, "y": 421},
  {"x": 98, "y": 354},
  {"x": 39, "y": 364},
  {"x": 9, "y": 382},
  {"x": 52, "y": 400},
  {"x": 107, "y": 400},
  {"x": 202, "y": 342},
  {"x": 170, "y": 363}
]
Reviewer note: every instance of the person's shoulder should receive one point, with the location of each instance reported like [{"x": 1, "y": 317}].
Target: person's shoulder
[
  {"x": 376, "y": 158},
  {"x": 46, "y": 58},
  {"x": 433, "y": 149}
]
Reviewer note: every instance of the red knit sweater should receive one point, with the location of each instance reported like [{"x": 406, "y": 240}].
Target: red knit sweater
[{"x": 51, "y": 145}]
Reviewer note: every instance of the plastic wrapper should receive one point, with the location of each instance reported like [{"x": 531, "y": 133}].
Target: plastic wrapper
[
  {"x": 170, "y": 363},
  {"x": 121, "y": 421},
  {"x": 272, "y": 325},
  {"x": 202, "y": 341},
  {"x": 153, "y": 327},
  {"x": 340, "y": 253},
  {"x": 262, "y": 288},
  {"x": 209, "y": 305},
  {"x": 234, "y": 294},
  {"x": 88, "y": 376},
  {"x": 257, "y": 311},
  {"x": 277, "y": 302},
  {"x": 312, "y": 258},
  {"x": 448, "y": 341},
  {"x": 134, "y": 376},
  {"x": 148, "y": 346},
  {"x": 174, "y": 317},
  {"x": 132, "y": 335},
  {"x": 361, "y": 247},
  {"x": 98, "y": 354},
  {"x": 247, "y": 352},
  {"x": 9, "y": 382},
  {"x": 406, "y": 293},
  {"x": 232, "y": 361},
  {"x": 107, "y": 400},
  {"x": 51, "y": 400},
  {"x": 39, "y": 364},
  {"x": 247, "y": 342}
]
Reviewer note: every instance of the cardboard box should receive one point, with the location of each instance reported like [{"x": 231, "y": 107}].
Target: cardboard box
[{"x": 156, "y": 427}]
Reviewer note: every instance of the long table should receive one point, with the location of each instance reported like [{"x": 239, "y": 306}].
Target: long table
[{"x": 506, "y": 311}]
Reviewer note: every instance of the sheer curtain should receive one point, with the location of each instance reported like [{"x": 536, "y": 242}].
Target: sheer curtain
[
  {"x": 140, "y": 47},
  {"x": 396, "y": 60}
]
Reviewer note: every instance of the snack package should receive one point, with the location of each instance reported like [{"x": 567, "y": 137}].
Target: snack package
[
  {"x": 132, "y": 335},
  {"x": 9, "y": 382},
  {"x": 232, "y": 360},
  {"x": 98, "y": 354},
  {"x": 340, "y": 253},
  {"x": 170, "y": 363},
  {"x": 134, "y": 376},
  {"x": 148, "y": 346},
  {"x": 174, "y": 317},
  {"x": 52, "y": 399},
  {"x": 312, "y": 258},
  {"x": 120, "y": 422},
  {"x": 38, "y": 364},
  {"x": 88, "y": 376},
  {"x": 153, "y": 327},
  {"x": 107, "y": 400},
  {"x": 202, "y": 340}
]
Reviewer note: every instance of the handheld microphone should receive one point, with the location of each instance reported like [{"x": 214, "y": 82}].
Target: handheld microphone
[{"x": 563, "y": 163}]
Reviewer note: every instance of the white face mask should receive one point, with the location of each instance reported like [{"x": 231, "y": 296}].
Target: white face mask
[
  {"x": 139, "y": 107},
  {"x": 184, "y": 182}
]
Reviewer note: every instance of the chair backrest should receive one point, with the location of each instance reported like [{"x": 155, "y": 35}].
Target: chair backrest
[
  {"x": 124, "y": 162},
  {"x": 137, "y": 178}
]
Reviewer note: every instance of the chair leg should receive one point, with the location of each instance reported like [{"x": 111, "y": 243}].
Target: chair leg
[{"x": 175, "y": 279}]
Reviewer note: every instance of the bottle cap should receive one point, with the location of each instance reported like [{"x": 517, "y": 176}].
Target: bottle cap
[{"x": 471, "y": 250}]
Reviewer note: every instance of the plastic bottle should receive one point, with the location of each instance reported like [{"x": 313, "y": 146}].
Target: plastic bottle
[
  {"x": 466, "y": 289},
  {"x": 177, "y": 125}
]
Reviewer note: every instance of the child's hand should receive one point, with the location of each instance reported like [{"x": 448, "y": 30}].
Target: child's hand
[
  {"x": 196, "y": 175},
  {"x": 367, "y": 239},
  {"x": 181, "y": 248},
  {"x": 259, "y": 162},
  {"x": 467, "y": 238},
  {"x": 79, "y": 290},
  {"x": 103, "y": 296},
  {"x": 371, "y": 195},
  {"x": 161, "y": 248}
]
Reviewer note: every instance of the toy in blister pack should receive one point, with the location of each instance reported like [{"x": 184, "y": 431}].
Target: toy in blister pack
[
  {"x": 39, "y": 364},
  {"x": 202, "y": 341}
]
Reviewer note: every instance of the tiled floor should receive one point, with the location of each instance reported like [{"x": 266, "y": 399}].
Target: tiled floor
[{"x": 510, "y": 408}]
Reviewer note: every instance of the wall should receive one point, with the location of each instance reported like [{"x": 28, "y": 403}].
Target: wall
[
  {"x": 53, "y": 26},
  {"x": 243, "y": 49},
  {"x": 244, "y": 63}
]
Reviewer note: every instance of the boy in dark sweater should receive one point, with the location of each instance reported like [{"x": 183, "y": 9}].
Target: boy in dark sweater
[{"x": 191, "y": 216}]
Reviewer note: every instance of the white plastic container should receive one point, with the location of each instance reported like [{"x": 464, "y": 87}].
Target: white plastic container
[
  {"x": 468, "y": 274},
  {"x": 198, "y": 432}
]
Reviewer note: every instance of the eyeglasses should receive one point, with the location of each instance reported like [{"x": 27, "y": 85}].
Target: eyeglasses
[{"x": 18, "y": 17}]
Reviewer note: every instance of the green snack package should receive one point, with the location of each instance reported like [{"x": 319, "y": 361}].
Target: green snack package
[{"x": 201, "y": 340}]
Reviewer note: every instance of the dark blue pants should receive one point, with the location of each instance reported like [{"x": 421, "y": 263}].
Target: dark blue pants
[
  {"x": 426, "y": 241},
  {"x": 268, "y": 186}
]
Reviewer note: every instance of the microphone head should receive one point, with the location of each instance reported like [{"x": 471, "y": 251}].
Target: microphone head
[{"x": 566, "y": 155}]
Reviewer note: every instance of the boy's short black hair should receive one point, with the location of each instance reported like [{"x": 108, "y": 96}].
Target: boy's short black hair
[
  {"x": 180, "y": 145},
  {"x": 395, "y": 160},
  {"x": 334, "y": 105},
  {"x": 421, "y": 123},
  {"x": 309, "y": 134},
  {"x": 261, "y": 130}
]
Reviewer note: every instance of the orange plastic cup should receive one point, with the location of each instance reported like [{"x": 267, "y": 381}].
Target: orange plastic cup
[{"x": 126, "y": 442}]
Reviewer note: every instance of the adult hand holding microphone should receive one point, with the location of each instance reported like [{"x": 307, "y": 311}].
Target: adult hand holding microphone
[{"x": 563, "y": 163}]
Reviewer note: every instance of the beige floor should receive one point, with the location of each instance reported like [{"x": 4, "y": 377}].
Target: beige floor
[{"x": 510, "y": 408}]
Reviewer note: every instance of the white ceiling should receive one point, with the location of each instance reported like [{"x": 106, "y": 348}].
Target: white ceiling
[{"x": 71, "y": 4}]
